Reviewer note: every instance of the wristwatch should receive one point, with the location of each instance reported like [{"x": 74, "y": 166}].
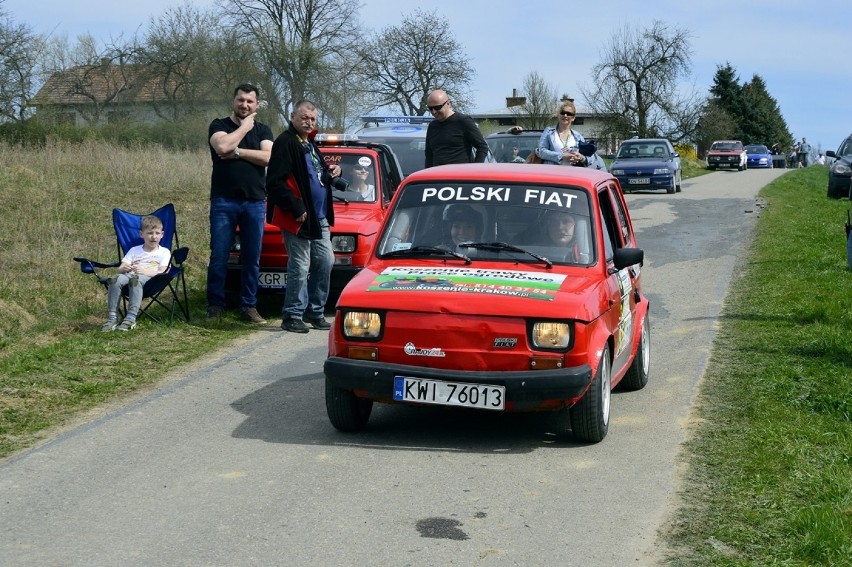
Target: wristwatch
[{"x": 237, "y": 153}]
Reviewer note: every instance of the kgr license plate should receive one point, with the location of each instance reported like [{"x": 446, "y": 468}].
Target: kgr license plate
[
  {"x": 420, "y": 390},
  {"x": 639, "y": 181},
  {"x": 272, "y": 279}
]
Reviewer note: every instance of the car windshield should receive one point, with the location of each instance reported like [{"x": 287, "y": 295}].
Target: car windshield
[
  {"x": 726, "y": 147},
  {"x": 642, "y": 150},
  {"x": 512, "y": 148},
  {"x": 519, "y": 223},
  {"x": 359, "y": 170}
]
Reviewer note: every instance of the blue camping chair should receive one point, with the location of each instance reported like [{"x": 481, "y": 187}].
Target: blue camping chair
[{"x": 171, "y": 284}]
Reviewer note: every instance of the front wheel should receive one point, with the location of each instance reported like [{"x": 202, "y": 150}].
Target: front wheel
[
  {"x": 590, "y": 416},
  {"x": 346, "y": 411},
  {"x": 678, "y": 187}
]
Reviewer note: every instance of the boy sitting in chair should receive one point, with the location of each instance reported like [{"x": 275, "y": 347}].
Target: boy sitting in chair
[{"x": 138, "y": 266}]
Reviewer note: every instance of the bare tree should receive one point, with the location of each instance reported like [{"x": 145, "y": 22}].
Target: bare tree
[
  {"x": 177, "y": 52},
  {"x": 295, "y": 40},
  {"x": 541, "y": 99},
  {"x": 636, "y": 83},
  {"x": 403, "y": 63},
  {"x": 99, "y": 77},
  {"x": 20, "y": 53}
]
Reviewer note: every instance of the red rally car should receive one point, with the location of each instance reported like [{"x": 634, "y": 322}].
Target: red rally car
[
  {"x": 357, "y": 216},
  {"x": 539, "y": 308}
]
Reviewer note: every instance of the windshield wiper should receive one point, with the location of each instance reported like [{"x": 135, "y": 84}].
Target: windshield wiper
[
  {"x": 507, "y": 248},
  {"x": 428, "y": 251}
]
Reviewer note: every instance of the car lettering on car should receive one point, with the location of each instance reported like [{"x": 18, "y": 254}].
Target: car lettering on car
[
  {"x": 412, "y": 350},
  {"x": 466, "y": 194},
  {"x": 505, "y": 342}
]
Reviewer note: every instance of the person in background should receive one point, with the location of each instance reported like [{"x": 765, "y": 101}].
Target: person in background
[
  {"x": 804, "y": 153},
  {"x": 560, "y": 144},
  {"x": 139, "y": 265},
  {"x": 239, "y": 148},
  {"x": 300, "y": 202},
  {"x": 820, "y": 159},
  {"x": 452, "y": 137},
  {"x": 559, "y": 231},
  {"x": 359, "y": 182},
  {"x": 464, "y": 224}
]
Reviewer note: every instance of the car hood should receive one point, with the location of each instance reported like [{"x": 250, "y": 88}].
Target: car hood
[
  {"x": 356, "y": 219},
  {"x": 573, "y": 293},
  {"x": 638, "y": 162},
  {"x": 725, "y": 152}
]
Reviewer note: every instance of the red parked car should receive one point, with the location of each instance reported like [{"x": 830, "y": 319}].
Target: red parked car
[
  {"x": 543, "y": 310},
  {"x": 357, "y": 219}
]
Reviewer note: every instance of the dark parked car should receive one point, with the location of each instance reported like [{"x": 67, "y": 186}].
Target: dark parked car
[
  {"x": 502, "y": 144},
  {"x": 647, "y": 163},
  {"x": 758, "y": 155},
  {"x": 840, "y": 171}
]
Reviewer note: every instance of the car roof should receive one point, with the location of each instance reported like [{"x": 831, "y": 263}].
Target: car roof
[
  {"x": 511, "y": 173},
  {"x": 645, "y": 140}
]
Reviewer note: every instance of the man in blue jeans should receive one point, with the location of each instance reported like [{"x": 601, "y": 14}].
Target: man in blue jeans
[
  {"x": 240, "y": 149},
  {"x": 300, "y": 202}
]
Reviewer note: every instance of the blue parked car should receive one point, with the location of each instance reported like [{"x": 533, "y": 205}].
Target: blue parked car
[
  {"x": 758, "y": 155},
  {"x": 647, "y": 163}
]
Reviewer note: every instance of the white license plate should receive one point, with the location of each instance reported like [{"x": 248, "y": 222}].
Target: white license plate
[
  {"x": 420, "y": 390},
  {"x": 272, "y": 279},
  {"x": 639, "y": 181}
]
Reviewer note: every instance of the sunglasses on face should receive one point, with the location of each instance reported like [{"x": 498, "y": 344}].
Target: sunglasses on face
[
  {"x": 359, "y": 169},
  {"x": 437, "y": 107},
  {"x": 566, "y": 113}
]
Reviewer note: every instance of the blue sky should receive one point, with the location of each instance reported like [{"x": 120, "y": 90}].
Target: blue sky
[{"x": 797, "y": 48}]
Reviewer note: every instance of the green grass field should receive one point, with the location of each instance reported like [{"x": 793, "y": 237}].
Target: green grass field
[{"x": 768, "y": 472}]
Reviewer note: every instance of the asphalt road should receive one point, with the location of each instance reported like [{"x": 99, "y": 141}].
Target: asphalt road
[{"x": 233, "y": 461}]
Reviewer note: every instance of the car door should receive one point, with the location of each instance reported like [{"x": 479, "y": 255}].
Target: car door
[{"x": 621, "y": 284}]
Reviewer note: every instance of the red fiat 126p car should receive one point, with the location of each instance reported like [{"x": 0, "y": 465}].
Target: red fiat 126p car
[
  {"x": 502, "y": 287},
  {"x": 357, "y": 214}
]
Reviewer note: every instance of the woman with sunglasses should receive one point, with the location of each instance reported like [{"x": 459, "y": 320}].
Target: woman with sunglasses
[
  {"x": 560, "y": 144},
  {"x": 360, "y": 175}
]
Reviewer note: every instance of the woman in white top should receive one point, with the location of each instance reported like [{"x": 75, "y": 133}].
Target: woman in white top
[{"x": 560, "y": 144}]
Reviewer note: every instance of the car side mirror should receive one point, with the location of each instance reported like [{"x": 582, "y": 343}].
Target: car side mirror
[{"x": 626, "y": 257}]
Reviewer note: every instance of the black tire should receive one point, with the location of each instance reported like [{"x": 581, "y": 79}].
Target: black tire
[
  {"x": 679, "y": 183},
  {"x": 346, "y": 411},
  {"x": 637, "y": 375},
  {"x": 590, "y": 416},
  {"x": 673, "y": 187}
]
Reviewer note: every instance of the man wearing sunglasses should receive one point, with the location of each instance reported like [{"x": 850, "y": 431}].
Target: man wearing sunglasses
[{"x": 452, "y": 137}]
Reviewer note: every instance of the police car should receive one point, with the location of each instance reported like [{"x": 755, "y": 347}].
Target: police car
[
  {"x": 405, "y": 135},
  {"x": 542, "y": 309}
]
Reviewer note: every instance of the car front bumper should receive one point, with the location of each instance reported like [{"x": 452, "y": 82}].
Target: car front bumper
[{"x": 524, "y": 390}]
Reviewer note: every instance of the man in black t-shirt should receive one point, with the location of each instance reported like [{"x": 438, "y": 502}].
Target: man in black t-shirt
[
  {"x": 239, "y": 148},
  {"x": 452, "y": 137}
]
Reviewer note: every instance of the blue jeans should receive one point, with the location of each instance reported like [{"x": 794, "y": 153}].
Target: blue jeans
[
  {"x": 225, "y": 216},
  {"x": 309, "y": 265}
]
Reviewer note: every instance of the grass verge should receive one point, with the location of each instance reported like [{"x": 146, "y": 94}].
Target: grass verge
[{"x": 769, "y": 478}]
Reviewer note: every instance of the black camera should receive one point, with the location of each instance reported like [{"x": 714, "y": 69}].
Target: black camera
[{"x": 338, "y": 183}]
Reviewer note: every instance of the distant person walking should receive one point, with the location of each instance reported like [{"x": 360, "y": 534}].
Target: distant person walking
[
  {"x": 452, "y": 137},
  {"x": 804, "y": 153},
  {"x": 239, "y": 148}
]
